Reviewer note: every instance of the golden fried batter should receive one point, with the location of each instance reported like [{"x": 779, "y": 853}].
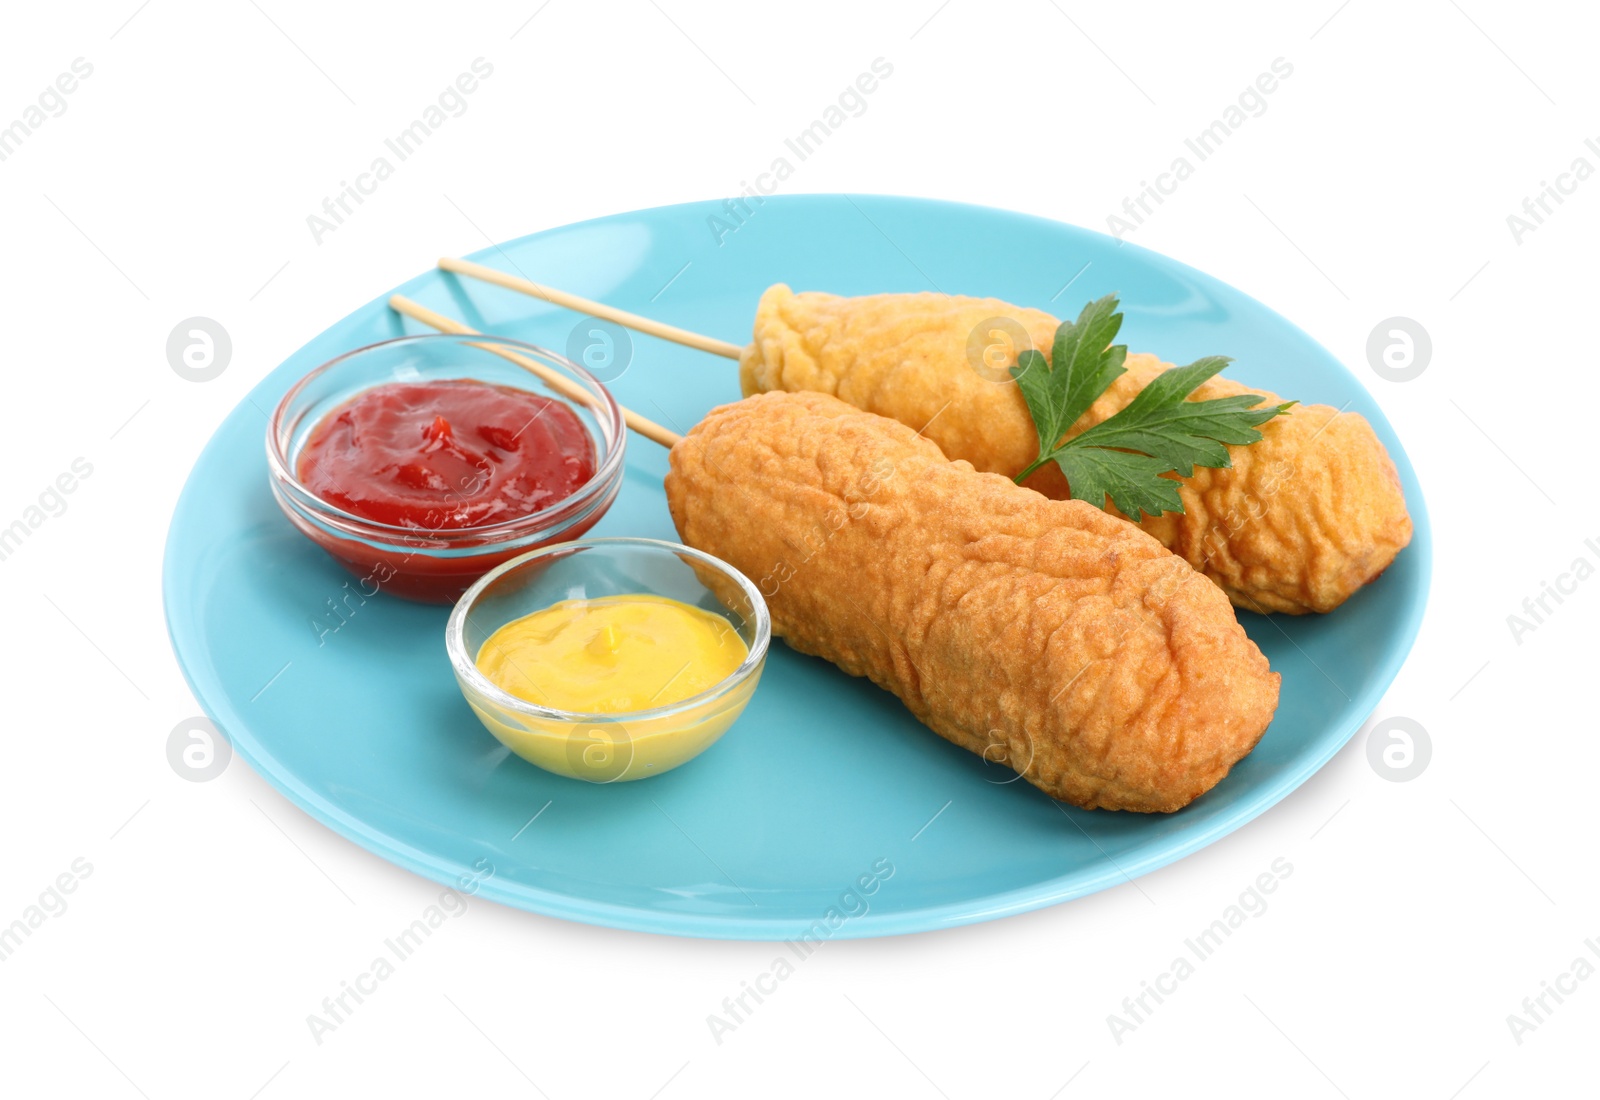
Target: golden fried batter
[
  {"x": 1046, "y": 635},
  {"x": 1303, "y": 519}
]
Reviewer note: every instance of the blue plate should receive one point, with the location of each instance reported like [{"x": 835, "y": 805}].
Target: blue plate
[{"x": 827, "y": 811}]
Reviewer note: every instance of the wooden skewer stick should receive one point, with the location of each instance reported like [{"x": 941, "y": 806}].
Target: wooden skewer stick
[
  {"x": 592, "y": 308},
  {"x": 554, "y": 379}
]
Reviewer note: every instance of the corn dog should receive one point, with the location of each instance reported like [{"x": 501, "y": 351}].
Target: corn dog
[
  {"x": 1046, "y": 635},
  {"x": 1302, "y": 520}
]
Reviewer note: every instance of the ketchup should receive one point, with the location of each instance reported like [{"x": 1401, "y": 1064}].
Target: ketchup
[{"x": 446, "y": 455}]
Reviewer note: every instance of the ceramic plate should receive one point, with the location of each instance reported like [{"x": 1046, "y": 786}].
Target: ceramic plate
[{"x": 827, "y": 810}]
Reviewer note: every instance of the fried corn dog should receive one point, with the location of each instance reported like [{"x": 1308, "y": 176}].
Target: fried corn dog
[
  {"x": 1302, "y": 520},
  {"x": 1045, "y": 635}
]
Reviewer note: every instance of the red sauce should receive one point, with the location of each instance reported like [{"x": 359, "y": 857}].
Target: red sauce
[{"x": 440, "y": 456}]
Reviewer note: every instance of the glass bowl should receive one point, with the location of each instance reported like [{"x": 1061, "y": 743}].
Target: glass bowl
[
  {"x": 608, "y": 748},
  {"x": 436, "y": 566}
]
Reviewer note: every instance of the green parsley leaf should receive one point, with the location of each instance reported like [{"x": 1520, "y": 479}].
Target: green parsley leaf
[
  {"x": 1085, "y": 365},
  {"x": 1159, "y": 432}
]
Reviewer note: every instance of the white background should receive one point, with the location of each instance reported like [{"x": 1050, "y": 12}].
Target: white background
[{"x": 1378, "y": 182}]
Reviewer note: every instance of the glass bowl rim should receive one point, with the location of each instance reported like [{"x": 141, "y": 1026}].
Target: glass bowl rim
[
  {"x": 466, "y": 667},
  {"x": 605, "y": 472}
]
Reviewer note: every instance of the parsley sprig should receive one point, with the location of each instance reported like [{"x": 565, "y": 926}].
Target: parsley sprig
[{"x": 1159, "y": 432}]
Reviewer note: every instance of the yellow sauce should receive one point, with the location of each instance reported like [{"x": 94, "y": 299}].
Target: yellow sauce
[{"x": 612, "y": 655}]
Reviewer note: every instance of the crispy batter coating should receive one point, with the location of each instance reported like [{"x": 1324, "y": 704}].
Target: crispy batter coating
[
  {"x": 1046, "y": 635},
  {"x": 1303, "y": 518}
]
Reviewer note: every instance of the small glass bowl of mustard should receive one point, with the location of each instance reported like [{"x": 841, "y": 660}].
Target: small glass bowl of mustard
[{"x": 580, "y": 583}]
